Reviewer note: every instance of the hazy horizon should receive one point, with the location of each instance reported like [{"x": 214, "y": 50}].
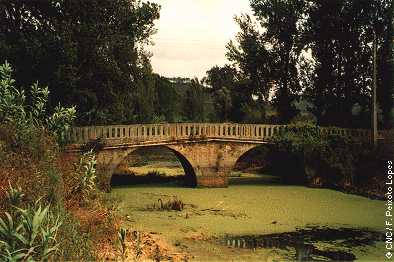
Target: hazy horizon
[{"x": 192, "y": 35}]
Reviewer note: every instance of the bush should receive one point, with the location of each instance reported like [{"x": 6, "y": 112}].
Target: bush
[
  {"x": 294, "y": 146},
  {"x": 86, "y": 168},
  {"x": 316, "y": 159},
  {"x": 30, "y": 234},
  {"x": 14, "y": 195},
  {"x": 122, "y": 241},
  {"x": 60, "y": 123},
  {"x": 36, "y": 233},
  {"x": 11, "y": 98},
  {"x": 27, "y": 117}
]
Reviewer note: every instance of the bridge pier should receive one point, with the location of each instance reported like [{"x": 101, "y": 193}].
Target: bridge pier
[
  {"x": 108, "y": 159},
  {"x": 213, "y": 161}
]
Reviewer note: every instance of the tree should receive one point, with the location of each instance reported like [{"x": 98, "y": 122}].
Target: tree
[
  {"x": 386, "y": 96},
  {"x": 391, "y": 47},
  {"x": 282, "y": 21},
  {"x": 222, "y": 80},
  {"x": 320, "y": 50},
  {"x": 197, "y": 105},
  {"x": 252, "y": 58},
  {"x": 218, "y": 77},
  {"x": 339, "y": 34},
  {"x": 168, "y": 100},
  {"x": 268, "y": 52},
  {"x": 86, "y": 51}
]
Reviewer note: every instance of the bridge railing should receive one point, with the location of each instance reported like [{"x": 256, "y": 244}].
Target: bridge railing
[
  {"x": 153, "y": 132},
  {"x": 166, "y": 132}
]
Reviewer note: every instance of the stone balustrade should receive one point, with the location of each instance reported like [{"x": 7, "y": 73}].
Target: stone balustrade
[{"x": 166, "y": 132}]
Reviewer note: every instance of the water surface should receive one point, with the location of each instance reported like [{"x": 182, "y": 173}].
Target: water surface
[{"x": 255, "y": 207}]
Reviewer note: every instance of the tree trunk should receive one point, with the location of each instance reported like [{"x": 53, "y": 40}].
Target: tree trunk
[
  {"x": 391, "y": 121},
  {"x": 374, "y": 124}
]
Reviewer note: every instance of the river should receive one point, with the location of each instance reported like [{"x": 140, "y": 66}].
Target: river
[{"x": 258, "y": 219}]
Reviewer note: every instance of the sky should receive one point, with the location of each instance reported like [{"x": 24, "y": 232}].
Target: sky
[{"x": 192, "y": 35}]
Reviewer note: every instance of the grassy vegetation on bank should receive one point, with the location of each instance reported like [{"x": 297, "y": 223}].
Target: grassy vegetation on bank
[{"x": 50, "y": 208}]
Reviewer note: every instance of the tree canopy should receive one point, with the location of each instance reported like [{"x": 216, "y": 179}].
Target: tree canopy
[
  {"x": 315, "y": 52},
  {"x": 289, "y": 58},
  {"x": 89, "y": 53}
]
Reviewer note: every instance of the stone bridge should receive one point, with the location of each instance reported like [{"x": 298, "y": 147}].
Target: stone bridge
[{"x": 207, "y": 152}]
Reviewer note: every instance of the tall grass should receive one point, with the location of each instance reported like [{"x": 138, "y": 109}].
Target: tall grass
[{"x": 28, "y": 233}]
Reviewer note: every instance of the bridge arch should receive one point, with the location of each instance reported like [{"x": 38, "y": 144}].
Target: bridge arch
[
  {"x": 287, "y": 168},
  {"x": 190, "y": 174},
  {"x": 109, "y": 161},
  {"x": 248, "y": 151}
]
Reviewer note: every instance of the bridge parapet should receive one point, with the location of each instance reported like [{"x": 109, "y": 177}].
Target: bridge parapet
[
  {"x": 170, "y": 132},
  {"x": 155, "y": 132}
]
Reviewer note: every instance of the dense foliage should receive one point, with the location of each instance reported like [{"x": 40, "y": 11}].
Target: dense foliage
[
  {"x": 89, "y": 53},
  {"x": 29, "y": 234},
  {"x": 290, "y": 58},
  {"x": 317, "y": 53},
  {"x": 326, "y": 160},
  {"x": 28, "y": 116}
]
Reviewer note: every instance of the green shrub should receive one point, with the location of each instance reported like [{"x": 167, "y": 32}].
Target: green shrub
[
  {"x": 60, "y": 122},
  {"x": 29, "y": 235},
  {"x": 87, "y": 170},
  {"x": 314, "y": 158},
  {"x": 27, "y": 117},
  {"x": 36, "y": 233},
  {"x": 29, "y": 157},
  {"x": 14, "y": 195},
  {"x": 293, "y": 146},
  {"x": 11, "y": 99}
]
